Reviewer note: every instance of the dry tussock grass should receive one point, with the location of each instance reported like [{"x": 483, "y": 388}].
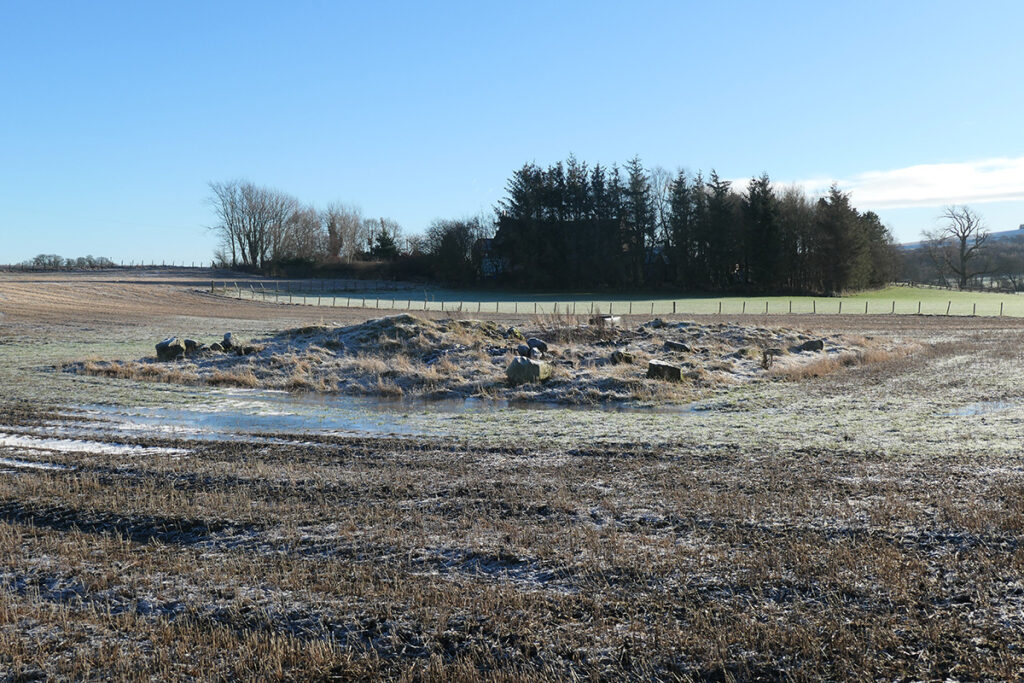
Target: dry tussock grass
[
  {"x": 829, "y": 364},
  {"x": 242, "y": 377}
]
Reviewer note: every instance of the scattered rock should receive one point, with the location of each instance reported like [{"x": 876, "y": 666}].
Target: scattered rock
[
  {"x": 655, "y": 324},
  {"x": 513, "y": 333},
  {"x": 524, "y": 371},
  {"x": 535, "y": 343},
  {"x": 227, "y": 341},
  {"x": 812, "y": 345},
  {"x": 620, "y": 357},
  {"x": 536, "y": 353},
  {"x": 657, "y": 369},
  {"x": 523, "y": 350},
  {"x": 245, "y": 350},
  {"x": 215, "y": 346},
  {"x": 672, "y": 345},
  {"x": 171, "y": 348}
]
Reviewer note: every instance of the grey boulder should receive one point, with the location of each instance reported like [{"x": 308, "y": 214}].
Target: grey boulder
[
  {"x": 812, "y": 345},
  {"x": 171, "y": 348},
  {"x": 657, "y": 369},
  {"x": 620, "y": 357},
  {"x": 526, "y": 371}
]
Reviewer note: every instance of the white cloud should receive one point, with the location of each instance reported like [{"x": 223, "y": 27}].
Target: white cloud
[{"x": 972, "y": 182}]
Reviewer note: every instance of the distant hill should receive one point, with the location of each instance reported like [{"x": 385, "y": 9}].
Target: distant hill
[{"x": 1001, "y": 236}]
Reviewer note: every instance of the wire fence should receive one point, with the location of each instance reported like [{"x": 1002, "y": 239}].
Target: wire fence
[{"x": 386, "y": 296}]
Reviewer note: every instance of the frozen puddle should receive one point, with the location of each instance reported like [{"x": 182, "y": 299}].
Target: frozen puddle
[
  {"x": 225, "y": 414},
  {"x": 981, "y": 408},
  {"x": 33, "y": 443}
]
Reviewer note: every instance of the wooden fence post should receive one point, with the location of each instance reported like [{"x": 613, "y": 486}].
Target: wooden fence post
[
  {"x": 744, "y": 307},
  {"x": 766, "y": 308},
  {"x": 919, "y": 308},
  {"x": 673, "y": 308},
  {"x": 948, "y": 306},
  {"x": 840, "y": 307},
  {"x": 865, "y": 307},
  {"x": 719, "y": 308},
  {"x": 814, "y": 306},
  {"x": 893, "y": 306},
  {"x": 1000, "y": 309}
]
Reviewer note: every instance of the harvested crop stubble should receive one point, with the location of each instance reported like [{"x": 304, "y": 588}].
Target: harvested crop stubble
[{"x": 443, "y": 560}]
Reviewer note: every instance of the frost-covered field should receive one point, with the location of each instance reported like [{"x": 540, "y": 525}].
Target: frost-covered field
[{"x": 859, "y": 525}]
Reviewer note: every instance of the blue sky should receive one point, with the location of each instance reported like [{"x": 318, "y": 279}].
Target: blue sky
[{"x": 115, "y": 116}]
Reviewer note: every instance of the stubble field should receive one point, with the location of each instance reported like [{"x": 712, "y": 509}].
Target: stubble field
[{"x": 864, "y": 524}]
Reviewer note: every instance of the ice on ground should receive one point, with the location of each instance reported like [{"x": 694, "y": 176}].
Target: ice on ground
[
  {"x": 20, "y": 441},
  {"x": 26, "y": 465}
]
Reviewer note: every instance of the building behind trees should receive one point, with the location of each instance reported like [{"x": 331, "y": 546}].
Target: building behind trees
[{"x": 572, "y": 226}]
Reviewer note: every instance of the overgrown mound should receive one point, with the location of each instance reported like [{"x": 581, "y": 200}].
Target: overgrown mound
[{"x": 584, "y": 361}]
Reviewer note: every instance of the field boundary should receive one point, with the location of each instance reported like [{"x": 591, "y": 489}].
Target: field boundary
[{"x": 394, "y": 296}]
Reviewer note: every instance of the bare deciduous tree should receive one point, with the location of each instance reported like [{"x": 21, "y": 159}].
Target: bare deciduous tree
[
  {"x": 958, "y": 244},
  {"x": 343, "y": 224},
  {"x": 252, "y": 220},
  {"x": 304, "y": 237}
]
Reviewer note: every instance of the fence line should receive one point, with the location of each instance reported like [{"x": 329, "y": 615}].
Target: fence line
[{"x": 288, "y": 292}]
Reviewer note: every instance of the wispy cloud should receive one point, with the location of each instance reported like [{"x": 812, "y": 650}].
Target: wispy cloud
[{"x": 971, "y": 182}]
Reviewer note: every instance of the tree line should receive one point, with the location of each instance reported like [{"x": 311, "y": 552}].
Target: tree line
[
  {"x": 259, "y": 227},
  {"x": 574, "y": 226},
  {"x": 57, "y": 262},
  {"x": 264, "y": 229}
]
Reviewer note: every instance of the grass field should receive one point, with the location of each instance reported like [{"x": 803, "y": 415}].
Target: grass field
[{"x": 892, "y": 300}]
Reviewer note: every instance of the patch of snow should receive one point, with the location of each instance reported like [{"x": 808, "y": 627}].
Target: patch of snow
[{"x": 26, "y": 465}]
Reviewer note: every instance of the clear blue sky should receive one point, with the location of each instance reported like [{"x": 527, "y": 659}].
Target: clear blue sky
[{"x": 115, "y": 116}]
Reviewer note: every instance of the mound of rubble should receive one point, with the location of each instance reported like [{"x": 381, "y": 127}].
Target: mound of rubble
[{"x": 569, "y": 362}]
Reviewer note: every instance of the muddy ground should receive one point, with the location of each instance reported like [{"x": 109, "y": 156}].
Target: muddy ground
[{"x": 864, "y": 524}]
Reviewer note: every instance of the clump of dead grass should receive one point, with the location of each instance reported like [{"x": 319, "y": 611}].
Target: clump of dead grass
[{"x": 242, "y": 377}]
